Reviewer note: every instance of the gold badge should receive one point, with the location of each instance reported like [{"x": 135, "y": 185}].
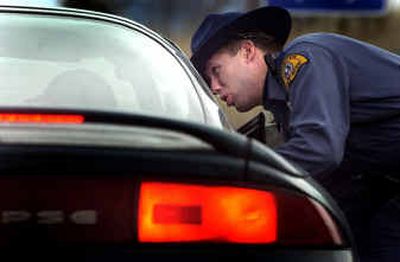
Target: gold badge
[{"x": 290, "y": 67}]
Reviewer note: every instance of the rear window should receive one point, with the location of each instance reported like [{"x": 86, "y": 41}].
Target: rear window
[{"x": 64, "y": 62}]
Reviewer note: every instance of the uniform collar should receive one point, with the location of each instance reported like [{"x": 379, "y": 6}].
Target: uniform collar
[
  {"x": 273, "y": 89},
  {"x": 275, "y": 95}
]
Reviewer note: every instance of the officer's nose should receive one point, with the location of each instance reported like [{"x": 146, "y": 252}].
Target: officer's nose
[{"x": 215, "y": 86}]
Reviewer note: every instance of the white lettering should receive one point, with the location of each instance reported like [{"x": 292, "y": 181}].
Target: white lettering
[
  {"x": 50, "y": 217},
  {"x": 84, "y": 217},
  {"x": 15, "y": 216}
]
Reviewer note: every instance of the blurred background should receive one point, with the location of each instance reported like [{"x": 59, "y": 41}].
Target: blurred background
[{"x": 374, "y": 21}]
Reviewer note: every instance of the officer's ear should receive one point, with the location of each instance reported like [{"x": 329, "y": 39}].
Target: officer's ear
[{"x": 248, "y": 50}]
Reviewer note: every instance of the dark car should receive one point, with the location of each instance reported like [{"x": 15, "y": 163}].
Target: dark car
[{"x": 112, "y": 148}]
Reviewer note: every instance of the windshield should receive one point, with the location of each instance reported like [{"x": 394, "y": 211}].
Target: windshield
[{"x": 56, "y": 62}]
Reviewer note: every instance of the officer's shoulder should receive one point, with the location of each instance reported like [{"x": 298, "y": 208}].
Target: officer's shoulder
[
  {"x": 304, "y": 46},
  {"x": 300, "y": 51}
]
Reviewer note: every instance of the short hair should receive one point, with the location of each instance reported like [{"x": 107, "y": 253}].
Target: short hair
[{"x": 265, "y": 42}]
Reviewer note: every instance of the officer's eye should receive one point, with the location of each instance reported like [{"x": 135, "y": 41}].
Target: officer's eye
[{"x": 215, "y": 70}]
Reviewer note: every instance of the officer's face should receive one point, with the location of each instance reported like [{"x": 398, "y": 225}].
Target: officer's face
[{"x": 236, "y": 78}]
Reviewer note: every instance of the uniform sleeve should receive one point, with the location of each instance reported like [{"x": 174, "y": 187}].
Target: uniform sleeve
[{"x": 319, "y": 101}]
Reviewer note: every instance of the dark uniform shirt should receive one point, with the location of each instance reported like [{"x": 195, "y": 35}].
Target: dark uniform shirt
[{"x": 339, "y": 101}]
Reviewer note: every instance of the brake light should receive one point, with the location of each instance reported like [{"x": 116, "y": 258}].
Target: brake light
[
  {"x": 176, "y": 212},
  {"x": 172, "y": 212},
  {"x": 41, "y": 118}
]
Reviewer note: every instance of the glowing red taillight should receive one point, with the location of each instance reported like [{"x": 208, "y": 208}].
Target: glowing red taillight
[
  {"x": 173, "y": 212},
  {"x": 180, "y": 213},
  {"x": 41, "y": 118}
]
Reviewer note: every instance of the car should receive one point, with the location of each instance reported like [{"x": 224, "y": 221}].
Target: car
[{"x": 113, "y": 148}]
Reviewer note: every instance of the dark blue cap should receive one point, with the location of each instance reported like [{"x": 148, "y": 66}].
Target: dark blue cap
[{"x": 217, "y": 29}]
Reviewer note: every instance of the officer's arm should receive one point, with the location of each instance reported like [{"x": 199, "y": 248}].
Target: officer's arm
[{"x": 319, "y": 121}]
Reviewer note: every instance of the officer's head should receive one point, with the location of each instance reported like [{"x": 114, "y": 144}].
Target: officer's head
[{"x": 228, "y": 50}]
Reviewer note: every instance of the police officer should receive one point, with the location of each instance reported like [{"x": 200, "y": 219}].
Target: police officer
[{"x": 336, "y": 98}]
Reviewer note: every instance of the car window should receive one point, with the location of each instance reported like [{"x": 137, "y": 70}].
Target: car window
[{"x": 48, "y": 61}]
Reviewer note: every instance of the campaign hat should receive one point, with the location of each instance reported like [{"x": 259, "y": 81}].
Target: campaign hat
[{"x": 217, "y": 29}]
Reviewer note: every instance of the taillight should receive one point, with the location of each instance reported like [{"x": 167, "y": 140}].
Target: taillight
[
  {"x": 177, "y": 212},
  {"x": 173, "y": 212},
  {"x": 41, "y": 118}
]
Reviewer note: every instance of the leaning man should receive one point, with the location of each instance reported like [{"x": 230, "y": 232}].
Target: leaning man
[{"x": 337, "y": 101}]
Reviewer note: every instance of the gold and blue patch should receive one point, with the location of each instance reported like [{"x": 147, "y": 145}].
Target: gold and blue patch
[{"x": 290, "y": 67}]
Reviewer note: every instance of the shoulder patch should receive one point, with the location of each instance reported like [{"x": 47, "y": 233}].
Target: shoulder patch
[{"x": 290, "y": 67}]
